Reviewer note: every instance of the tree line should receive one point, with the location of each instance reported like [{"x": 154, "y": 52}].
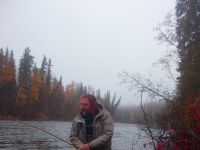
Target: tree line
[{"x": 32, "y": 92}]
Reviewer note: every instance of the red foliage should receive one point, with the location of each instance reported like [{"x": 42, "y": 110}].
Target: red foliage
[
  {"x": 190, "y": 132},
  {"x": 186, "y": 133},
  {"x": 160, "y": 146},
  {"x": 197, "y": 128},
  {"x": 145, "y": 145},
  {"x": 176, "y": 147}
]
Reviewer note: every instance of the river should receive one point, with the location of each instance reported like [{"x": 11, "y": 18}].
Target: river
[{"x": 15, "y": 136}]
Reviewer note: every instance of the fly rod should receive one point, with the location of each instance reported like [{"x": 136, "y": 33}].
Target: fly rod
[{"x": 30, "y": 125}]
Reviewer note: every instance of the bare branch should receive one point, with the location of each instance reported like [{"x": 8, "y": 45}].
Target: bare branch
[
  {"x": 148, "y": 127},
  {"x": 140, "y": 85}
]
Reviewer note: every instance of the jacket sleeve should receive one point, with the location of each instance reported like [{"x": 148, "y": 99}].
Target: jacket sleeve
[
  {"x": 74, "y": 135},
  {"x": 107, "y": 133}
]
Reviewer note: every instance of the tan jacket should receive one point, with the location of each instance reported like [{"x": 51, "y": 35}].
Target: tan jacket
[{"x": 102, "y": 131}]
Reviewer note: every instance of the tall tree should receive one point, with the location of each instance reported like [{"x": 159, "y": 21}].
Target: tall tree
[
  {"x": 25, "y": 77},
  {"x": 49, "y": 77},
  {"x": 1, "y": 81},
  {"x": 42, "y": 90},
  {"x": 57, "y": 99},
  {"x": 111, "y": 105},
  {"x": 43, "y": 69},
  {"x": 46, "y": 86},
  {"x": 7, "y": 82},
  {"x": 1, "y": 66},
  {"x": 24, "y": 84},
  {"x": 188, "y": 36},
  {"x": 72, "y": 93},
  {"x": 12, "y": 84}
]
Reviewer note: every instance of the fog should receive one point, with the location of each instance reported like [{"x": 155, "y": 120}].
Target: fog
[{"x": 88, "y": 41}]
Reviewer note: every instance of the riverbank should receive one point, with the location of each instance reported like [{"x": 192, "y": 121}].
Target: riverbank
[
  {"x": 7, "y": 117},
  {"x": 41, "y": 118}
]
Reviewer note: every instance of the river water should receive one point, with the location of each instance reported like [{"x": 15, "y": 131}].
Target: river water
[{"x": 16, "y": 136}]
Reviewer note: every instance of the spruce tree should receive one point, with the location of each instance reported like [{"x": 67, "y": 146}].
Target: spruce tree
[
  {"x": 42, "y": 91},
  {"x": 25, "y": 77},
  {"x": 57, "y": 100},
  {"x": 24, "y": 107},
  {"x": 188, "y": 36},
  {"x": 7, "y": 83},
  {"x": 46, "y": 87},
  {"x": 1, "y": 66},
  {"x": 12, "y": 84}
]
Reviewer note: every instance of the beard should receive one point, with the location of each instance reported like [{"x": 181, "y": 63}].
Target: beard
[{"x": 85, "y": 113}]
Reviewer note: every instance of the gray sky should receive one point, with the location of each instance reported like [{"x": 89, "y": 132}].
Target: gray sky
[{"x": 88, "y": 41}]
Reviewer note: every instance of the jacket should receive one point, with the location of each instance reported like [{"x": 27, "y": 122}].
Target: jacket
[{"x": 102, "y": 131}]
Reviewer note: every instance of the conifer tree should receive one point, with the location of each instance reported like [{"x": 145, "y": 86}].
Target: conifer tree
[
  {"x": 24, "y": 108},
  {"x": 12, "y": 84},
  {"x": 188, "y": 36},
  {"x": 1, "y": 66},
  {"x": 42, "y": 90},
  {"x": 43, "y": 69},
  {"x": 25, "y": 77},
  {"x": 111, "y": 105},
  {"x": 48, "y": 79},
  {"x": 57, "y": 99},
  {"x": 46, "y": 87},
  {"x": 7, "y": 82}
]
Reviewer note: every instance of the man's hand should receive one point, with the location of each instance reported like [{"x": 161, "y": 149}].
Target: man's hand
[{"x": 84, "y": 147}]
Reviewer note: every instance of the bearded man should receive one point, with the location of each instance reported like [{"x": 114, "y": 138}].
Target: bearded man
[{"x": 92, "y": 128}]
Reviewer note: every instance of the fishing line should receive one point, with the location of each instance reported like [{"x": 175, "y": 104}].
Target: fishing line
[{"x": 31, "y": 125}]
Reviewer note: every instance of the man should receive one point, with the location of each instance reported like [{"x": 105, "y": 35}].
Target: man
[{"x": 92, "y": 128}]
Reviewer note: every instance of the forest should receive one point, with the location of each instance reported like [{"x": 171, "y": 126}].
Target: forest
[{"x": 33, "y": 93}]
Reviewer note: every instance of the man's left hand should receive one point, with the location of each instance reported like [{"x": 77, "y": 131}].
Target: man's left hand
[{"x": 84, "y": 147}]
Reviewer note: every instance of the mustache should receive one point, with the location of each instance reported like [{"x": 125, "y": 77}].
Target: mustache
[
  {"x": 83, "y": 110},
  {"x": 85, "y": 113}
]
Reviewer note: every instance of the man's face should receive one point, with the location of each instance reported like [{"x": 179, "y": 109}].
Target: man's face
[{"x": 85, "y": 105}]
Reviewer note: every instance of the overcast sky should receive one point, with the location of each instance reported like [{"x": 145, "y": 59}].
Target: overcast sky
[{"x": 89, "y": 41}]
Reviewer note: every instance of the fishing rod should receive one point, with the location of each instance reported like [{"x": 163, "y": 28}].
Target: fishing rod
[{"x": 31, "y": 125}]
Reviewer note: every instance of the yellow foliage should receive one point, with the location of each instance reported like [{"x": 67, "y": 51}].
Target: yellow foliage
[{"x": 36, "y": 84}]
